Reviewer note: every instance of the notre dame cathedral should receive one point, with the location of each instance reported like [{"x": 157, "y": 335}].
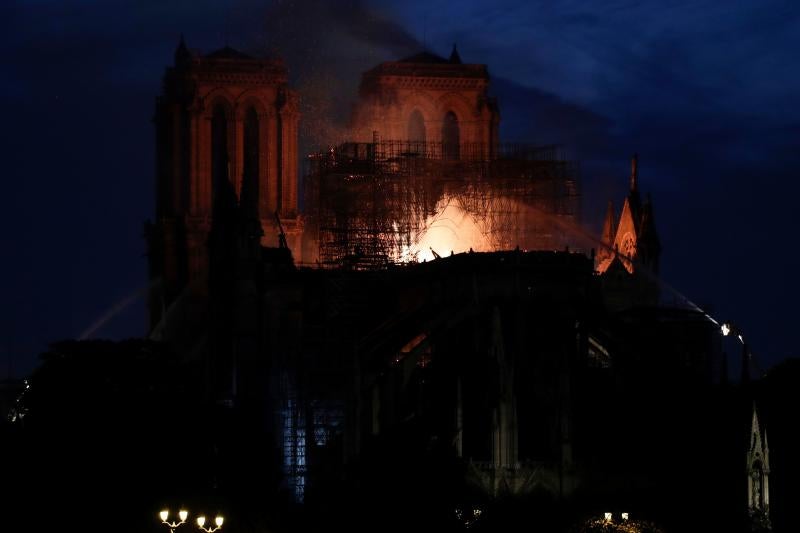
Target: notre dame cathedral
[{"x": 487, "y": 379}]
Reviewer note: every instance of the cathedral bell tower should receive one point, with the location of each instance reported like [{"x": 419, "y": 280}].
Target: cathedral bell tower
[
  {"x": 432, "y": 103},
  {"x": 225, "y": 122}
]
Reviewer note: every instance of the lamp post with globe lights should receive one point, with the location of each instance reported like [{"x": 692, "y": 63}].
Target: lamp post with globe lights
[
  {"x": 164, "y": 515},
  {"x": 201, "y": 522}
]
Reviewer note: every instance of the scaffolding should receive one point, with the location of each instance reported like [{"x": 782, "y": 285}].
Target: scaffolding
[{"x": 369, "y": 203}]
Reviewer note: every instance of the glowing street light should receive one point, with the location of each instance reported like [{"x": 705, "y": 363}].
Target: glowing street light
[
  {"x": 164, "y": 515},
  {"x": 728, "y": 329},
  {"x": 201, "y": 522}
]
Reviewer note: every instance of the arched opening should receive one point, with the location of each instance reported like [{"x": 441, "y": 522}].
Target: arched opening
[
  {"x": 416, "y": 127},
  {"x": 450, "y": 136},
  {"x": 249, "y": 194},
  {"x": 220, "y": 160}
]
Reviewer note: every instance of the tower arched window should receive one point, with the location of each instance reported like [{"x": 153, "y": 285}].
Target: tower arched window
[
  {"x": 249, "y": 194},
  {"x": 451, "y": 136},
  {"x": 220, "y": 160},
  {"x": 416, "y": 127}
]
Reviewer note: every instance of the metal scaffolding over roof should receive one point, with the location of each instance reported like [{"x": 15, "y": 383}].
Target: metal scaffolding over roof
[{"x": 371, "y": 203}]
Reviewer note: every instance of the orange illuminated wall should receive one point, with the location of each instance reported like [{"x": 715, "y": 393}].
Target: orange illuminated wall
[{"x": 427, "y": 98}]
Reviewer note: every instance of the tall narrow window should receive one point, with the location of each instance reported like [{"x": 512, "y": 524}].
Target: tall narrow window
[
  {"x": 280, "y": 176},
  {"x": 219, "y": 150},
  {"x": 416, "y": 127},
  {"x": 450, "y": 136},
  {"x": 249, "y": 195}
]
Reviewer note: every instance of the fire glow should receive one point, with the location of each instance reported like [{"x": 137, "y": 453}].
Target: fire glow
[{"x": 449, "y": 230}]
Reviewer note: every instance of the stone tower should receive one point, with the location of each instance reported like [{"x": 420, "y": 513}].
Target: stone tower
[
  {"x": 225, "y": 122},
  {"x": 427, "y": 98}
]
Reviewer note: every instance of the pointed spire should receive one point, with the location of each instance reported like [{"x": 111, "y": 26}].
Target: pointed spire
[
  {"x": 181, "y": 51},
  {"x": 756, "y": 450},
  {"x": 758, "y": 476},
  {"x": 754, "y": 426},
  {"x": 610, "y": 225},
  {"x": 635, "y": 173},
  {"x": 454, "y": 57}
]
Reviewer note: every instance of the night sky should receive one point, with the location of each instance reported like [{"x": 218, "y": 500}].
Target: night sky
[{"x": 706, "y": 92}]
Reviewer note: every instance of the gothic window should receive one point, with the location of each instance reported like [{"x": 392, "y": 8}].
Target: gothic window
[
  {"x": 628, "y": 245},
  {"x": 219, "y": 148},
  {"x": 416, "y": 127},
  {"x": 251, "y": 152},
  {"x": 451, "y": 137}
]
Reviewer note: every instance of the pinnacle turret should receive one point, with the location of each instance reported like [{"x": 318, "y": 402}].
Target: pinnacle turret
[{"x": 454, "y": 57}]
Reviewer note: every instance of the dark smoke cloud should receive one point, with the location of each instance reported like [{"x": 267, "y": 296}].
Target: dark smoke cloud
[{"x": 327, "y": 45}]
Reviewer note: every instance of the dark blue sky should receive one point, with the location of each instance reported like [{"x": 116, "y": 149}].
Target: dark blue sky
[{"x": 705, "y": 92}]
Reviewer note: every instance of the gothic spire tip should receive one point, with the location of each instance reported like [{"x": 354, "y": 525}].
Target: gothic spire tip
[{"x": 454, "y": 56}]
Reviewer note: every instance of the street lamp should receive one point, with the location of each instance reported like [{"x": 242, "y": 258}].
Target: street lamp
[
  {"x": 164, "y": 515},
  {"x": 729, "y": 329},
  {"x": 201, "y": 522}
]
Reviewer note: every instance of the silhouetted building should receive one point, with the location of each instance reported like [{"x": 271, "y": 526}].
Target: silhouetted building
[{"x": 521, "y": 371}]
